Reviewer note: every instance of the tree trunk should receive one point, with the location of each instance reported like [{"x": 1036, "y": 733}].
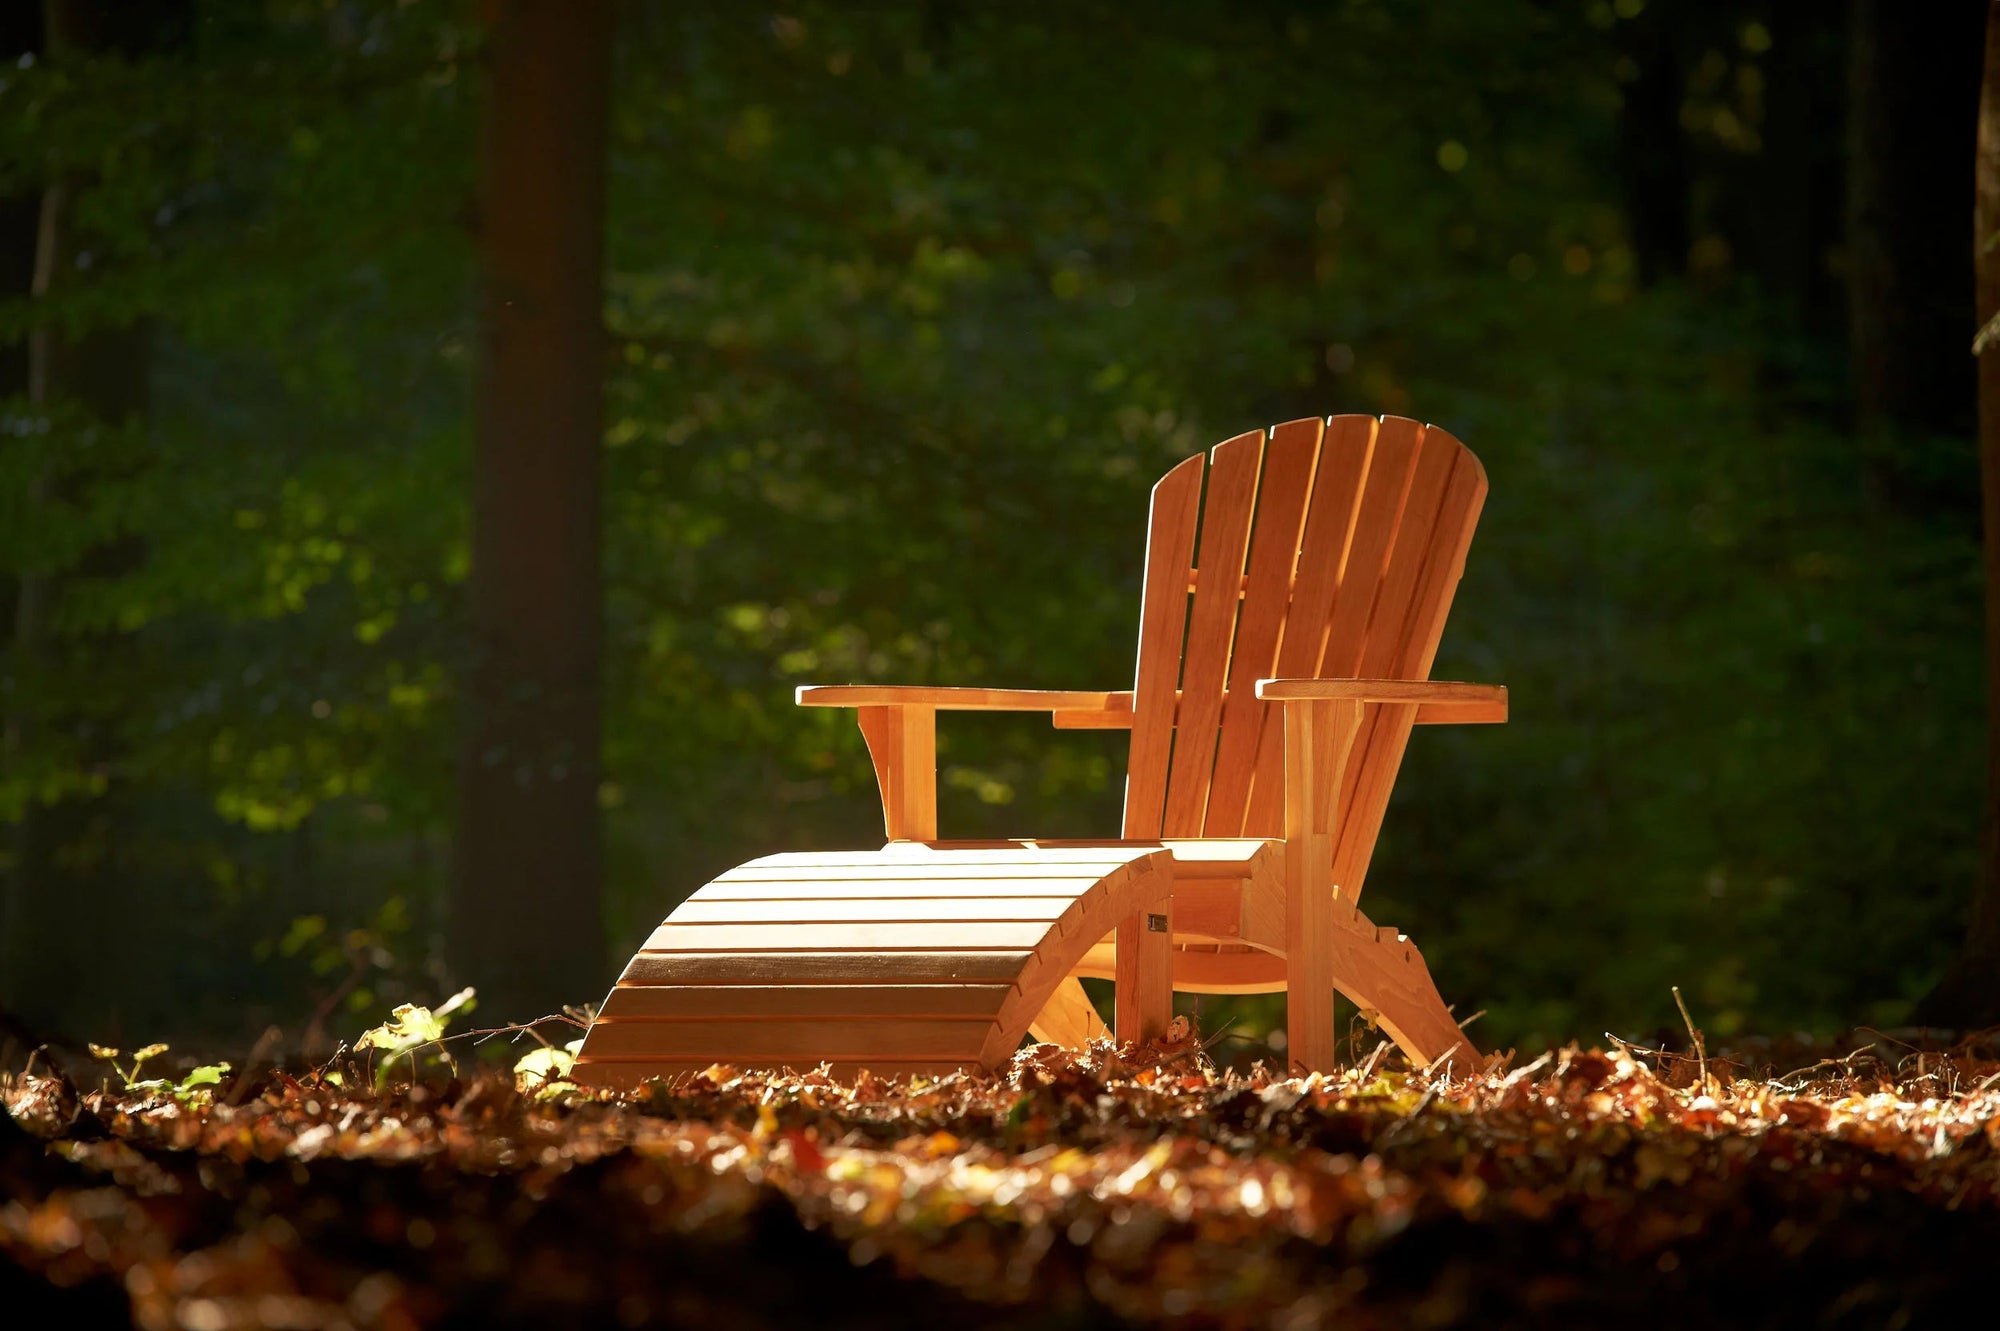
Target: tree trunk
[
  {"x": 1787, "y": 197},
  {"x": 1968, "y": 998},
  {"x": 1911, "y": 79},
  {"x": 43, "y": 943},
  {"x": 1652, "y": 146},
  {"x": 526, "y": 911}
]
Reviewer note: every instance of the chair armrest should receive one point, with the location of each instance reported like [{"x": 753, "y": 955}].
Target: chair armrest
[
  {"x": 953, "y": 699},
  {"x": 1437, "y": 700},
  {"x": 899, "y": 721},
  {"x": 1116, "y": 713}
]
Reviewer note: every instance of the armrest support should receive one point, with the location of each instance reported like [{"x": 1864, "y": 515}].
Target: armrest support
[
  {"x": 899, "y": 721},
  {"x": 902, "y": 743},
  {"x": 1323, "y": 719}
]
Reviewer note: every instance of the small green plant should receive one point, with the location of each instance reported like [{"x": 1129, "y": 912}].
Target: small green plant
[
  {"x": 129, "y": 1076},
  {"x": 192, "y": 1089},
  {"x": 410, "y": 1027}
]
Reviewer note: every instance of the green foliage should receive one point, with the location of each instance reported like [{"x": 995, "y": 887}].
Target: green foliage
[
  {"x": 209, "y": 1074},
  {"x": 140, "y": 1057},
  {"x": 411, "y": 1028},
  {"x": 907, "y": 308},
  {"x": 190, "y": 1091}
]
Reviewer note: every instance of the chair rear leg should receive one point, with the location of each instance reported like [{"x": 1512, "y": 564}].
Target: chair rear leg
[
  {"x": 1319, "y": 736},
  {"x": 1381, "y": 971},
  {"x": 1309, "y": 906}
]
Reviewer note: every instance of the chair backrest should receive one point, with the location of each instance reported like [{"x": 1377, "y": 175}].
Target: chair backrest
[{"x": 1327, "y": 549}]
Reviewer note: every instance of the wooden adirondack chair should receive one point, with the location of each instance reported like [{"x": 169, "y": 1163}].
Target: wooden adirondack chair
[{"x": 1279, "y": 673}]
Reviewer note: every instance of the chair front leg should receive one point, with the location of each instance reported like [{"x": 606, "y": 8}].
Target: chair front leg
[
  {"x": 902, "y": 742},
  {"x": 1319, "y": 736}
]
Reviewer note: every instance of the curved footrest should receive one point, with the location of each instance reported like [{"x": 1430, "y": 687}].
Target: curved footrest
[{"x": 904, "y": 960}]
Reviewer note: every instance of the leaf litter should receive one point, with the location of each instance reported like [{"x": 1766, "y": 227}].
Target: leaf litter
[{"x": 1106, "y": 1186}]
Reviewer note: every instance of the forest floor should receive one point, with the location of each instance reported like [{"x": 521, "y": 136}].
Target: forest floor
[{"x": 1581, "y": 1189}]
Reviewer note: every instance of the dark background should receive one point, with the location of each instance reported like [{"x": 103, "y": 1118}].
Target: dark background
[{"x": 904, "y": 308}]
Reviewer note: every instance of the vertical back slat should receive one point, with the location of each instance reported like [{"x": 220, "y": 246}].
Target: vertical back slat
[
  {"x": 1329, "y": 636},
  {"x": 1274, "y": 555},
  {"x": 1233, "y": 469},
  {"x": 1353, "y": 582},
  {"x": 1374, "y": 550},
  {"x": 1370, "y": 651},
  {"x": 1162, "y": 626},
  {"x": 1345, "y": 455},
  {"x": 1405, "y": 649}
]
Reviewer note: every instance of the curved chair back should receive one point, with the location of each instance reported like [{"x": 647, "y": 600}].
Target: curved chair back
[{"x": 1320, "y": 549}]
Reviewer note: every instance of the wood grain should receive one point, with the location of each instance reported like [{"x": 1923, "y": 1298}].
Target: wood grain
[
  {"x": 1319, "y": 736},
  {"x": 1208, "y": 908},
  {"x": 902, "y": 741},
  {"x": 633, "y": 1073},
  {"x": 760, "y": 968},
  {"x": 875, "y": 936},
  {"x": 1450, "y": 538},
  {"x": 1162, "y": 628},
  {"x": 897, "y": 969},
  {"x": 1117, "y": 715},
  {"x": 1385, "y": 639},
  {"x": 894, "y": 886},
  {"x": 795, "y": 1040},
  {"x": 1443, "y": 694},
  {"x": 981, "y": 907},
  {"x": 1145, "y": 977},
  {"x": 951, "y": 699},
  {"x": 1289, "y": 461},
  {"x": 1233, "y": 470},
  {"x": 751, "y": 1002},
  {"x": 1347, "y": 467}
]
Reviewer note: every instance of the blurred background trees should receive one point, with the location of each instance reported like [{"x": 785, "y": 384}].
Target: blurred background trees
[{"x": 904, "y": 308}]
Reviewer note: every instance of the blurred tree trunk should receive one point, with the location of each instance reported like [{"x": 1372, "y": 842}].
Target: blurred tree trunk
[
  {"x": 105, "y": 371},
  {"x": 1912, "y": 76},
  {"x": 1652, "y": 146},
  {"x": 526, "y": 910},
  {"x": 21, "y": 219},
  {"x": 1788, "y": 195},
  {"x": 1968, "y": 997}
]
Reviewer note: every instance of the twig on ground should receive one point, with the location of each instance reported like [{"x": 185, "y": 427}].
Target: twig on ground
[
  {"x": 1367, "y": 1068},
  {"x": 357, "y": 966},
  {"x": 1700, "y": 1049},
  {"x": 1845, "y": 1063},
  {"x": 519, "y": 1028},
  {"x": 272, "y": 1035}
]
